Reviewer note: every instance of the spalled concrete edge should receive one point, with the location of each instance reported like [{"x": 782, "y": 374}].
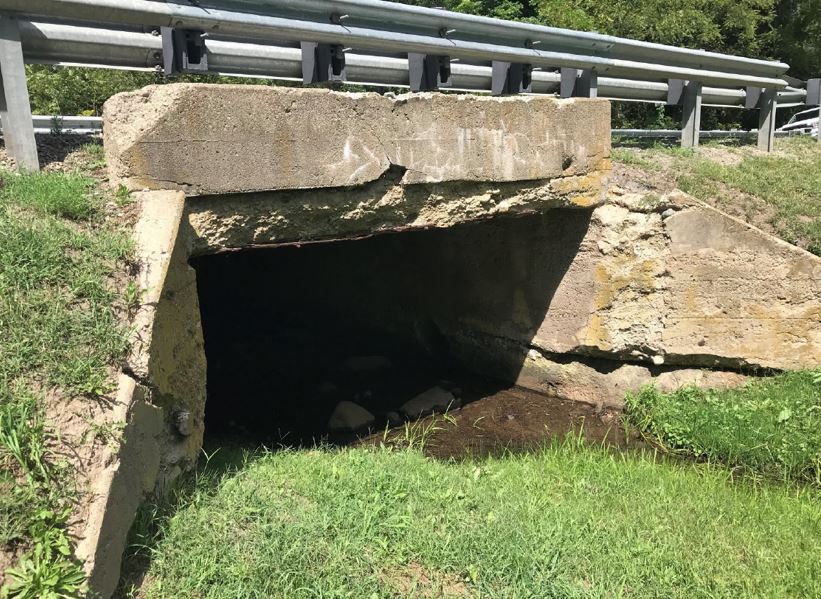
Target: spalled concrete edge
[
  {"x": 243, "y": 220},
  {"x": 131, "y": 470},
  {"x": 222, "y": 139},
  {"x": 598, "y": 382}
]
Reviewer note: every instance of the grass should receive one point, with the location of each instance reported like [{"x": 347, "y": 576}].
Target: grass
[
  {"x": 60, "y": 338},
  {"x": 568, "y": 521},
  {"x": 788, "y": 181},
  {"x": 769, "y": 428}
]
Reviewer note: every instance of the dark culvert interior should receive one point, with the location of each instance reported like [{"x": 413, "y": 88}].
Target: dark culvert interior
[{"x": 293, "y": 331}]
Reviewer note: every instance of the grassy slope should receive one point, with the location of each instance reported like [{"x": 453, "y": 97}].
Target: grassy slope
[
  {"x": 786, "y": 184},
  {"x": 569, "y": 521},
  {"x": 59, "y": 336}
]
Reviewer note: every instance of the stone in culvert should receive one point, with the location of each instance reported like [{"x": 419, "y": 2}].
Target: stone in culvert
[
  {"x": 349, "y": 417},
  {"x": 393, "y": 418},
  {"x": 434, "y": 399}
]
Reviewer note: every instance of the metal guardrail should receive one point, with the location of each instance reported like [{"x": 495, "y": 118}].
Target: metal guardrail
[{"x": 379, "y": 43}]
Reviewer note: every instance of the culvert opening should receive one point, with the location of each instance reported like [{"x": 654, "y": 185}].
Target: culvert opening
[{"x": 325, "y": 341}]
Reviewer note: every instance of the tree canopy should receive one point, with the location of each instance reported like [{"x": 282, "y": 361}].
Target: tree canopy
[{"x": 788, "y": 30}]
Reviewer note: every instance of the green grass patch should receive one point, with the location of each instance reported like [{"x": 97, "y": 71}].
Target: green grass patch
[
  {"x": 770, "y": 427},
  {"x": 568, "y": 521},
  {"x": 61, "y": 336},
  {"x": 65, "y": 195}
]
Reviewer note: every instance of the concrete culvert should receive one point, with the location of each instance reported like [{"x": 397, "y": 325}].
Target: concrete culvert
[{"x": 474, "y": 239}]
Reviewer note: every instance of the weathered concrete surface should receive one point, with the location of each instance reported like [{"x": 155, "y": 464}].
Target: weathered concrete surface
[
  {"x": 128, "y": 476},
  {"x": 165, "y": 330},
  {"x": 696, "y": 289},
  {"x": 167, "y": 353},
  {"x": 221, "y": 139}
]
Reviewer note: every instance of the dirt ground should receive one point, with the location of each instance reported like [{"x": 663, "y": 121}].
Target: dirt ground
[{"x": 510, "y": 420}]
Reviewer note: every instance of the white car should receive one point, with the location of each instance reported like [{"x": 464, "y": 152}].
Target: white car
[{"x": 805, "y": 122}]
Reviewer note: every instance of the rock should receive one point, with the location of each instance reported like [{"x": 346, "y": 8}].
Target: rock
[
  {"x": 668, "y": 213},
  {"x": 218, "y": 139},
  {"x": 435, "y": 399},
  {"x": 393, "y": 418},
  {"x": 182, "y": 422},
  {"x": 363, "y": 364},
  {"x": 349, "y": 417}
]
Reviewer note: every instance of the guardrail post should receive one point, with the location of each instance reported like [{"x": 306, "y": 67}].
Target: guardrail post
[
  {"x": 322, "y": 63},
  {"x": 688, "y": 95},
  {"x": 428, "y": 72},
  {"x": 578, "y": 83},
  {"x": 766, "y": 119},
  {"x": 15, "y": 111},
  {"x": 510, "y": 78},
  {"x": 814, "y": 98}
]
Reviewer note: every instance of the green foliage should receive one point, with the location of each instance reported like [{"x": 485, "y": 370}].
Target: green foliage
[
  {"x": 797, "y": 36},
  {"x": 48, "y": 572},
  {"x": 568, "y": 521},
  {"x": 733, "y": 26},
  {"x": 770, "y": 427},
  {"x": 39, "y": 508},
  {"x": 64, "y": 91},
  {"x": 77, "y": 90}
]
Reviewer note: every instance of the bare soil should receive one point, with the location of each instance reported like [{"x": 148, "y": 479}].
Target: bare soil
[{"x": 514, "y": 419}]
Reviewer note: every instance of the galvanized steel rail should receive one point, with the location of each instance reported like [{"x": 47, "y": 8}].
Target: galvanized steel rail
[{"x": 374, "y": 42}]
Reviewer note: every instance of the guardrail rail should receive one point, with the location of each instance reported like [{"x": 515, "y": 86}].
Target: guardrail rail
[{"x": 373, "y": 42}]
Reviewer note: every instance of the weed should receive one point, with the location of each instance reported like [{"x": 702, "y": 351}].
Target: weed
[
  {"x": 107, "y": 433},
  {"x": 416, "y": 434},
  {"x": 48, "y": 571},
  {"x": 95, "y": 155},
  {"x": 122, "y": 195},
  {"x": 133, "y": 296},
  {"x": 651, "y": 201},
  {"x": 770, "y": 427}
]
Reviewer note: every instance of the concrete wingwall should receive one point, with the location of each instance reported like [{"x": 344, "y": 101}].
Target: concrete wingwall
[{"x": 520, "y": 256}]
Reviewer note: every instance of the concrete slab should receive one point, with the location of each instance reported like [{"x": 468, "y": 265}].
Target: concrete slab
[{"x": 221, "y": 139}]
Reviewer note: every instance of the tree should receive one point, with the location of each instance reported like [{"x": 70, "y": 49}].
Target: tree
[{"x": 797, "y": 38}]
